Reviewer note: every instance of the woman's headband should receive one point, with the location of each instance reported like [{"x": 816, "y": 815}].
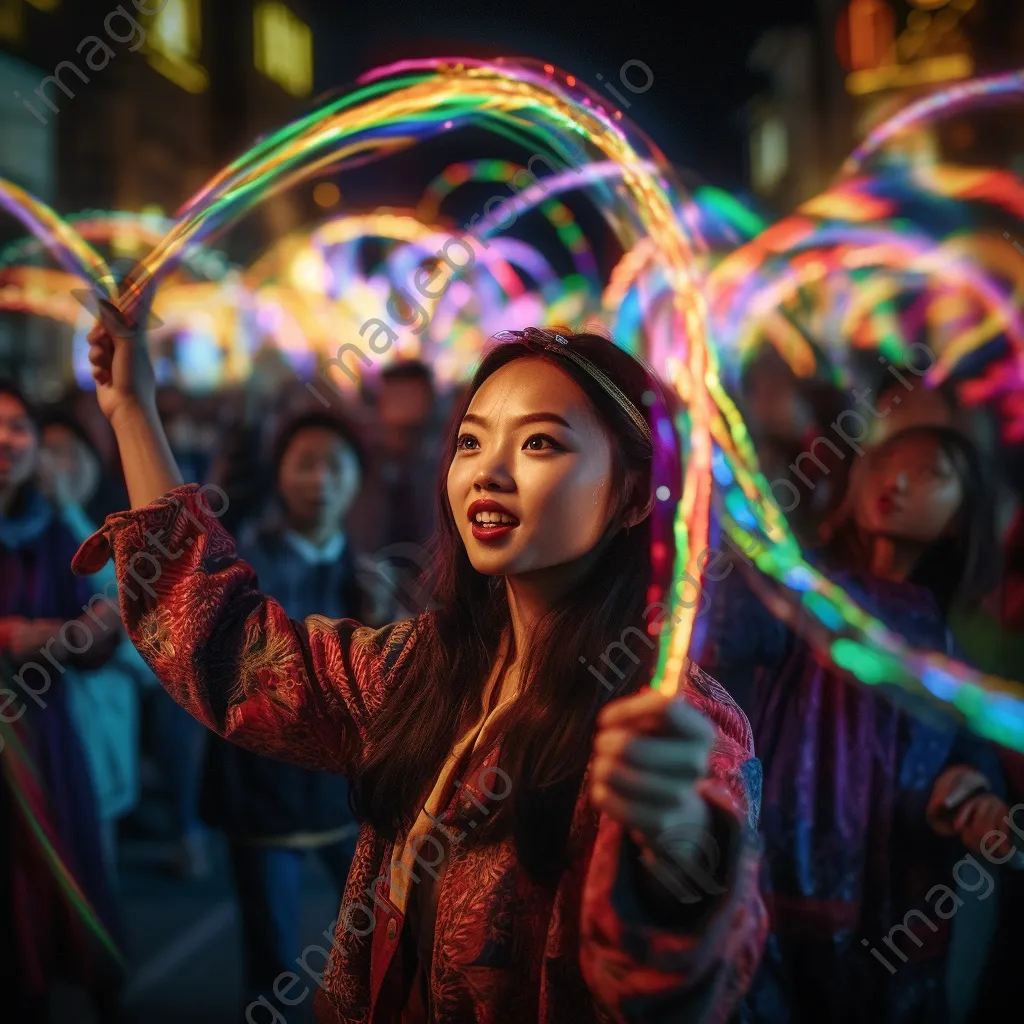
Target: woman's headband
[{"x": 559, "y": 344}]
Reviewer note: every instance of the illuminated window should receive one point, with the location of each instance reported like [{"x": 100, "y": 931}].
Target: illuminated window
[
  {"x": 174, "y": 44},
  {"x": 769, "y": 155},
  {"x": 284, "y": 48},
  {"x": 871, "y": 33},
  {"x": 11, "y": 20}
]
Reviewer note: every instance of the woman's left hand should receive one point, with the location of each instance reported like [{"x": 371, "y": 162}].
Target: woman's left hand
[
  {"x": 977, "y": 818},
  {"x": 650, "y": 752},
  {"x": 961, "y": 805}
]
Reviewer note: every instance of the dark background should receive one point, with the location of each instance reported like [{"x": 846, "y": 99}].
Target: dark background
[{"x": 696, "y": 50}]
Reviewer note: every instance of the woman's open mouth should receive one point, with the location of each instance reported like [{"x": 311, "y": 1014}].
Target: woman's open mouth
[{"x": 491, "y": 520}]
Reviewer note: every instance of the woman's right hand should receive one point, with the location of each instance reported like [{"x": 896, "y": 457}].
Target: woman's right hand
[
  {"x": 126, "y": 391},
  {"x": 121, "y": 366}
]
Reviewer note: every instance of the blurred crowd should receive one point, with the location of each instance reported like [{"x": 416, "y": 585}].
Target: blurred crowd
[
  {"x": 334, "y": 507},
  {"x": 813, "y": 436}
]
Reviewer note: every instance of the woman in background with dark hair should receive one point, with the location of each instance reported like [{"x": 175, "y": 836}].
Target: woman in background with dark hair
[
  {"x": 275, "y": 813},
  {"x": 925, "y": 505},
  {"x": 46, "y": 796},
  {"x": 563, "y": 816},
  {"x": 865, "y": 809}
]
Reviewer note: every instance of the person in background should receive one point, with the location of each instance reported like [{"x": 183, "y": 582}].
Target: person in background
[
  {"x": 177, "y": 740},
  {"x": 87, "y": 437},
  {"x": 49, "y": 825},
  {"x": 983, "y": 930},
  {"x": 240, "y": 469},
  {"x": 107, "y": 704},
  {"x": 83, "y": 408},
  {"x": 70, "y": 465},
  {"x": 790, "y": 424},
  {"x": 396, "y": 505},
  {"x": 865, "y": 807},
  {"x": 103, "y": 702},
  {"x": 275, "y": 814},
  {"x": 184, "y": 434}
]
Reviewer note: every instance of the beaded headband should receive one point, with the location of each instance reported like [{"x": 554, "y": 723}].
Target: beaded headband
[{"x": 560, "y": 344}]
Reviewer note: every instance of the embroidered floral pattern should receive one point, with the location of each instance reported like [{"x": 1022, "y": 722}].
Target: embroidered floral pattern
[
  {"x": 154, "y": 635},
  {"x": 268, "y": 662}
]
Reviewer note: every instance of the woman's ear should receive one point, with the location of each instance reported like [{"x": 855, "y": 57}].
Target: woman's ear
[
  {"x": 634, "y": 513},
  {"x": 634, "y": 516}
]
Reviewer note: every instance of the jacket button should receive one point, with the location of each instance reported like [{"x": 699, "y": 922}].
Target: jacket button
[{"x": 392, "y": 928}]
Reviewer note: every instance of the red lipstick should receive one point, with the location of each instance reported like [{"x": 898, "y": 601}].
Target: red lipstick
[{"x": 490, "y": 531}]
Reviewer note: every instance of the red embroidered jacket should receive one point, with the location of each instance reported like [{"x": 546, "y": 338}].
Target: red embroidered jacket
[{"x": 505, "y": 950}]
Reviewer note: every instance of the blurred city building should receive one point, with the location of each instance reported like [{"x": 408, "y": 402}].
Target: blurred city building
[
  {"x": 133, "y": 107},
  {"x": 28, "y": 158},
  {"x": 832, "y": 80}
]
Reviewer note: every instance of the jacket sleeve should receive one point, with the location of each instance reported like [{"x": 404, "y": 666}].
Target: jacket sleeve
[
  {"x": 643, "y": 968},
  {"x": 743, "y": 644},
  {"x": 228, "y": 654}
]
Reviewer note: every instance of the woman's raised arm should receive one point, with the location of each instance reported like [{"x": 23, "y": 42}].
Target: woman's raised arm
[
  {"x": 301, "y": 692},
  {"x": 227, "y": 653}
]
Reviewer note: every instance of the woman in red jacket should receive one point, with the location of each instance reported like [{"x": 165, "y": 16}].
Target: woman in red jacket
[{"x": 537, "y": 844}]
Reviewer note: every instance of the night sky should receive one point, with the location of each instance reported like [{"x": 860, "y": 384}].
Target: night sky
[{"x": 696, "y": 49}]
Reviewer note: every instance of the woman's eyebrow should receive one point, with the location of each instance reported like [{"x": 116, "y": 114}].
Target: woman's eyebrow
[{"x": 519, "y": 421}]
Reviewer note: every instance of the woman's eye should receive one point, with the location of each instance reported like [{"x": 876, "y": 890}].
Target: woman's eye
[
  {"x": 540, "y": 442},
  {"x": 465, "y": 443}
]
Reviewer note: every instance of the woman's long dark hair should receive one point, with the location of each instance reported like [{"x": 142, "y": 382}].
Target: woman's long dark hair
[
  {"x": 547, "y": 735},
  {"x": 963, "y": 564}
]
